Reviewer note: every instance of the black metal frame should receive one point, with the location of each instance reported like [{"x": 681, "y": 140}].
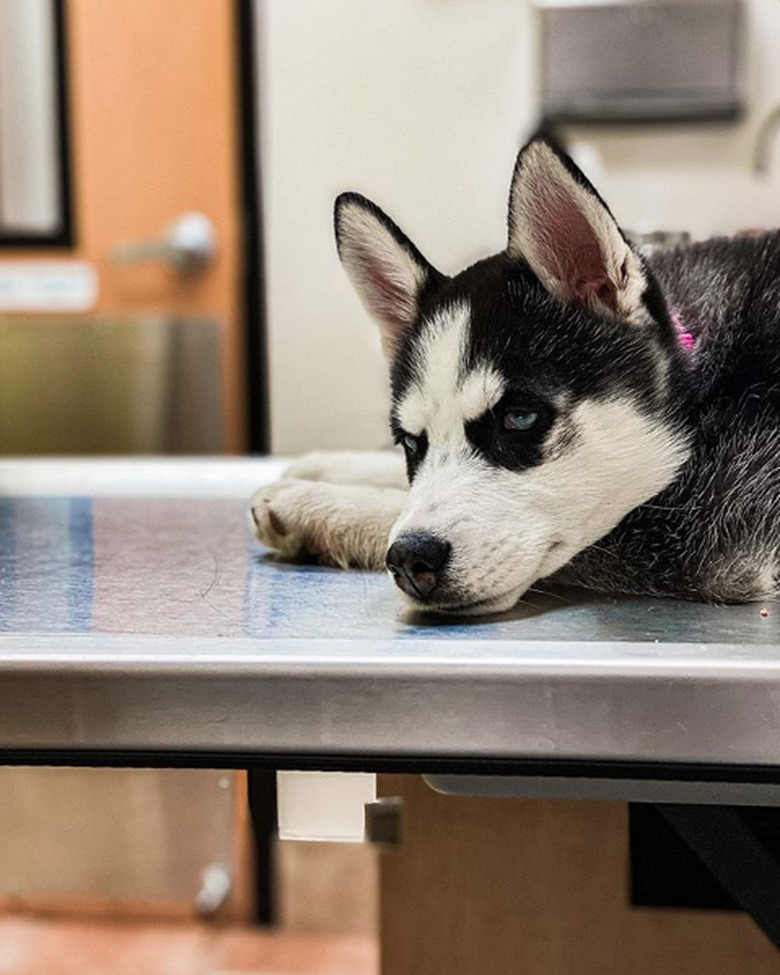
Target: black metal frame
[
  {"x": 736, "y": 857},
  {"x": 65, "y": 236},
  {"x": 255, "y": 340},
  {"x": 263, "y": 813},
  {"x": 392, "y": 763}
]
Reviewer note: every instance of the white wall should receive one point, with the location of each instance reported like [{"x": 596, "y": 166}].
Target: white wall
[{"x": 421, "y": 105}]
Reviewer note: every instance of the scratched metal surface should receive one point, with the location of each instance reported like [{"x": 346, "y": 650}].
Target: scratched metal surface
[{"x": 159, "y": 623}]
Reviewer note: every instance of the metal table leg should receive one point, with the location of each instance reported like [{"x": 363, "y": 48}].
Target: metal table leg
[{"x": 263, "y": 813}]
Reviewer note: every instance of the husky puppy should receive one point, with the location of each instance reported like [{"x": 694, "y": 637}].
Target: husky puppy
[{"x": 567, "y": 409}]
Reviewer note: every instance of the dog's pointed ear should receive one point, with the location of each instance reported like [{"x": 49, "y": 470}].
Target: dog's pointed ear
[
  {"x": 386, "y": 269},
  {"x": 560, "y": 225}
]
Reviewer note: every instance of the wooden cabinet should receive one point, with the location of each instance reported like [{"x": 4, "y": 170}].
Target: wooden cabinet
[{"x": 533, "y": 887}]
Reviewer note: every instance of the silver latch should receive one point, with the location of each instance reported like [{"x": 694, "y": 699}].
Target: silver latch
[
  {"x": 384, "y": 821},
  {"x": 188, "y": 245}
]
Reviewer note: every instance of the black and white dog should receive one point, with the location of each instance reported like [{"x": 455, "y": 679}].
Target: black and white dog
[{"x": 567, "y": 409}]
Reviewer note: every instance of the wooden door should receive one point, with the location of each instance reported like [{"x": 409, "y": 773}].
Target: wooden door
[
  {"x": 532, "y": 887},
  {"x": 154, "y": 132}
]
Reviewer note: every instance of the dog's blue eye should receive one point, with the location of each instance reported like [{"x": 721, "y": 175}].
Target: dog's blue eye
[
  {"x": 411, "y": 444},
  {"x": 520, "y": 419}
]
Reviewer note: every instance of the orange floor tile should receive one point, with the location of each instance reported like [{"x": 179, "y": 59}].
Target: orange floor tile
[{"x": 30, "y": 946}]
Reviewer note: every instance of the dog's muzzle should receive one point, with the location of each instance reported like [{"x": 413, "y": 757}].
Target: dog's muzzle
[{"x": 417, "y": 562}]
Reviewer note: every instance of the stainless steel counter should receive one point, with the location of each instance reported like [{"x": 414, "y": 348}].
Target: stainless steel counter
[{"x": 139, "y": 618}]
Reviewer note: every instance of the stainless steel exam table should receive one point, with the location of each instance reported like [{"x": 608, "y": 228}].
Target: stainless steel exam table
[{"x": 140, "y": 624}]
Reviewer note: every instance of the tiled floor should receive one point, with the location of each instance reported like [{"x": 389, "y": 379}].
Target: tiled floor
[{"x": 42, "y": 947}]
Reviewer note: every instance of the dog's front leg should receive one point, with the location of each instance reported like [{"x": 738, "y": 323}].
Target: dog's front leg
[{"x": 342, "y": 524}]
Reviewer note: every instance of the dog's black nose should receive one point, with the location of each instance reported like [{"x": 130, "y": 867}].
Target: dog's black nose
[{"x": 417, "y": 562}]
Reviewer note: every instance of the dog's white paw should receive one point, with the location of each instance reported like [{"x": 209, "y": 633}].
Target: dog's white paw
[
  {"x": 341, "y": 524},
  {"x": 288, "y": 517}
]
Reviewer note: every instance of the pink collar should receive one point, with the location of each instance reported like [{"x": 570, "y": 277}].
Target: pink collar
[{"x": 686, "y": 339}]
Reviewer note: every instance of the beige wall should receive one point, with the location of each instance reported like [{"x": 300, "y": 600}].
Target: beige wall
[
  {"x": 421, "y": 105},
  {"x": 700, "y": 178}
]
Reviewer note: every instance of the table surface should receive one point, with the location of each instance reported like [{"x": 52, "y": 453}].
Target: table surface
[{"x": 138, "y": 616}]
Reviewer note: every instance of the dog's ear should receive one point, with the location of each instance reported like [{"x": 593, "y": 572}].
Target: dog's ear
[
  {"x": 560, "y": 225},
  {"x": 386, "y": 269}
]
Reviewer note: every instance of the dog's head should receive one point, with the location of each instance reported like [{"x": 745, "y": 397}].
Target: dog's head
[{"x": 532, "y": 393}]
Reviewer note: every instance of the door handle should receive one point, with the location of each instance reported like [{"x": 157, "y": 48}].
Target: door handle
[{"x": 187, "y": 245}]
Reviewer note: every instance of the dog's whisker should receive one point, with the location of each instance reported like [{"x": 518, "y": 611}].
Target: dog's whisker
[{"x": 537, "y": 590}]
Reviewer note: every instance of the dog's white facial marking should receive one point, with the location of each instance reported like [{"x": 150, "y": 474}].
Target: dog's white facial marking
[
  {"x": 510, "y": 528},
  {"x": 442, "y": 399}
]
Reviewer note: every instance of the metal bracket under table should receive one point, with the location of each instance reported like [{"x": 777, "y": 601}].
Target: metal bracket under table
[
  {"x": 706, "y": 814},
  {"x": 736, "y": 856}
]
